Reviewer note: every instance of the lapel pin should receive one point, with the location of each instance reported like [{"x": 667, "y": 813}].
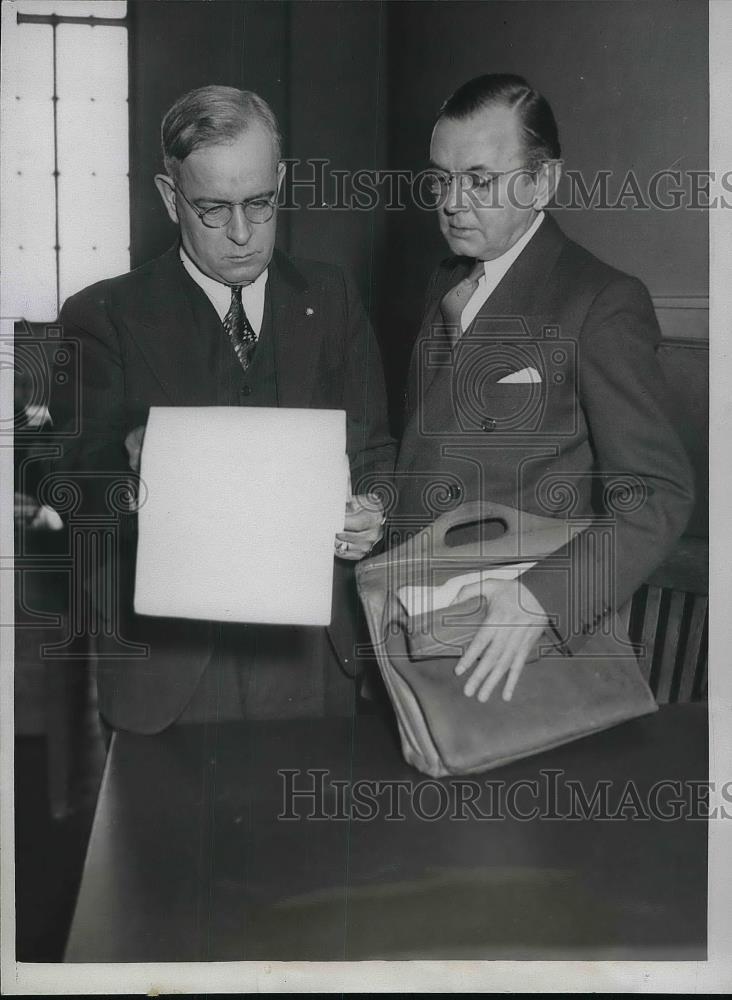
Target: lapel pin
[{"x": 309, "y": 311}]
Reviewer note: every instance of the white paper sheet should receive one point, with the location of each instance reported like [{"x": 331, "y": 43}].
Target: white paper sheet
[
  {"x": 423, "y": 600},
  {"x": 239, "y": 508}
]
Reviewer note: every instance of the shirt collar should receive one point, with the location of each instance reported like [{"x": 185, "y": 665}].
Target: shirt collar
[
  {"x": 219, "y": 293},
  {"x": 501, "y": 264}
]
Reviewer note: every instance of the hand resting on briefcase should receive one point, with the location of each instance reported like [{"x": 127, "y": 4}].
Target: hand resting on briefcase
[
  {"x": 442, "y": 620},
  {"x": 494, "y": 626}
]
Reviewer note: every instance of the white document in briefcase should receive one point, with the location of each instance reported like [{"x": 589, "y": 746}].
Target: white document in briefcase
[{"x": 238, "y": 511}]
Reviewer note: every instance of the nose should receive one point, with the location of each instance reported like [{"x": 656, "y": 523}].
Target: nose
[
  {"x": 455, "y": 200},
  {"x": 239, "y": 229}
]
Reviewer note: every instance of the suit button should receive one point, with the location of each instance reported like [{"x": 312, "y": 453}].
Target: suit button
[
  {"x": 488, "y": 424},
  {"x": 455, "y": 492},
  {"x": 246, "y": 390}
]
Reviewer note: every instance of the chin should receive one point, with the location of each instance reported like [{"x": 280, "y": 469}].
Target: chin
[
  {"x": 465, "y": 246},
  {"x": 235, "y": 273}
]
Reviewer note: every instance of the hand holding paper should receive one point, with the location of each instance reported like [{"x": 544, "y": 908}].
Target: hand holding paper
[
  {"x": 133, "y": 444},
  {"x": 364, "y": 526},
  {"x": 513, "y": 624}
]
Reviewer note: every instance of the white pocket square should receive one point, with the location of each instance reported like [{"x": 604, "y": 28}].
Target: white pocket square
[{"x": 524, "y": 375}]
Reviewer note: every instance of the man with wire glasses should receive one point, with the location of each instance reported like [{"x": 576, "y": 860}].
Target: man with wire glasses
[
  {"x": 223, "y": 318},
  {"x": 534, "y": 383}
]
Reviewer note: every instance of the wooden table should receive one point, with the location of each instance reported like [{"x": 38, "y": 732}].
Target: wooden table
[{"x": 189, "y": 861}]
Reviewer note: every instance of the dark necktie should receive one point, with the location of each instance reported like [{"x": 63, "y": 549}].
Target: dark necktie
[
  {"x": 239, "y": 329},
  {"x": 456, "y": 298}
]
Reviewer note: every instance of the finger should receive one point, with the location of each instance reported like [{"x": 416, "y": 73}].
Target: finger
[
  {"x": 352, "y": 553},
  {"x": 514, "y": 673},
  {"x": 363, "y": 538},
  {"x": 487, "y": 687},
  {"x": 478, "y": 645},
  {"x": 517, "y": 666},
  {"x": 497, "y": 658},
  {"x": 511, "y": 664},
  {"x": 485, "y": 666},
  {"x": 362, "y": 520},
  {"x": 366, "y": 501},
  {"x": 347, "y": 543},
  {"x": 507, "y": 659}
]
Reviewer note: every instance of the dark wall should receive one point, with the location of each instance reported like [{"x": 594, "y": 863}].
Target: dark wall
[{"x": 338, "y": 112}]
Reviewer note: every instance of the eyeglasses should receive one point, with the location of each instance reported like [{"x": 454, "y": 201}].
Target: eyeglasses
[
  {"x": 468, "y": 182},
  {"x": 255, "y": 209}
]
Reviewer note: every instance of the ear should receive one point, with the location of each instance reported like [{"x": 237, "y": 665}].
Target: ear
[
  {"x": 547, "y": 181},
  {"x": 281, "y": 168},
  {"x": 166, "y": 190}
]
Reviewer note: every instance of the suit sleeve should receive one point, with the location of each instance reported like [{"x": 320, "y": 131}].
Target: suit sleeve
[
  {"x": 640, "y": 467},
  {"x": 92, "y": 416},
  {"x": 371, "y": 447}
]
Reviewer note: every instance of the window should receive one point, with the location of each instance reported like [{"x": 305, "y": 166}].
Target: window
[{"x": 65, "y": 165}]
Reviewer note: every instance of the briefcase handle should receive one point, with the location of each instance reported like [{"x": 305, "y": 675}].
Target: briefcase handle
[
  {"x": 527, "y": 537},
  {"x": 517, "y": 523}
]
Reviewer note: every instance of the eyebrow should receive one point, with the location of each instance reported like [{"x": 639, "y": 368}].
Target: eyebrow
[{"x": 467, "y": 170}]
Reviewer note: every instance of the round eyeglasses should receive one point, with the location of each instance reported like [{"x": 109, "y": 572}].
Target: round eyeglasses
[
  {"x": 255, "y": 209},
  {"x": 481, "y": 186}
]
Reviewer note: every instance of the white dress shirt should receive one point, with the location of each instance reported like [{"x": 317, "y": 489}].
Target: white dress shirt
[
  {"x": 494, "y": 270},
  {"x": 219, "y": 294}
]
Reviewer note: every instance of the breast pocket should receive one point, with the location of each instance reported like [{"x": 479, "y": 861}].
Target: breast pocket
[{"x": 498, "y": 386}]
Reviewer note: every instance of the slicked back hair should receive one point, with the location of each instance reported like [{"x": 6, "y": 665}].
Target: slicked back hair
[
  {"x": 536, "y": 118},
  {"x": 212, "y": 116}
]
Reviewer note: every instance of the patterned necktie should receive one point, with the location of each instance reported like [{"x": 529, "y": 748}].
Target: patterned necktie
[
  {"x": 456, "y": 298},
  {"x": 239, "y": 329}
]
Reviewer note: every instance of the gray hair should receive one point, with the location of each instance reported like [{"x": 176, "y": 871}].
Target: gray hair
[{"x": 211, "y": 116}]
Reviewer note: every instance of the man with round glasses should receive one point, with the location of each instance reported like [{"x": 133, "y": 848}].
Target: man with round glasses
[
  {"x": 534, "y": 383},
  {"x": 223, "y": 318}
]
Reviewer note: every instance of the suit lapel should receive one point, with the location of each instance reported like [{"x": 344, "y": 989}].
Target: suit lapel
[
  {"x": 175, "y": 327},
  {"x": 296, "y": 330},
  {"x": 522, "y": 292}
]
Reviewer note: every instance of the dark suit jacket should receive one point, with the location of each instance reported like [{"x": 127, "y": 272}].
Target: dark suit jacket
[
  {"x": 594, "y": 440},
  {"x": 152, "y": 338}
]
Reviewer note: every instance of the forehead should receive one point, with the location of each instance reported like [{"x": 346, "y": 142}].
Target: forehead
[
  {"x": 232, "y": 168},
  {"x": 490, "y": 138}
]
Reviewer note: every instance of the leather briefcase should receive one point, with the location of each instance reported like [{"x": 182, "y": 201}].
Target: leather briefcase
[{"x": 558, "y": 697}]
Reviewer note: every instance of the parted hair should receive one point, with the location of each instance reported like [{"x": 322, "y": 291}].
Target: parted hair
[
  {"x": 210, "y": 116},
  {"x": 536, "y": 117}
]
